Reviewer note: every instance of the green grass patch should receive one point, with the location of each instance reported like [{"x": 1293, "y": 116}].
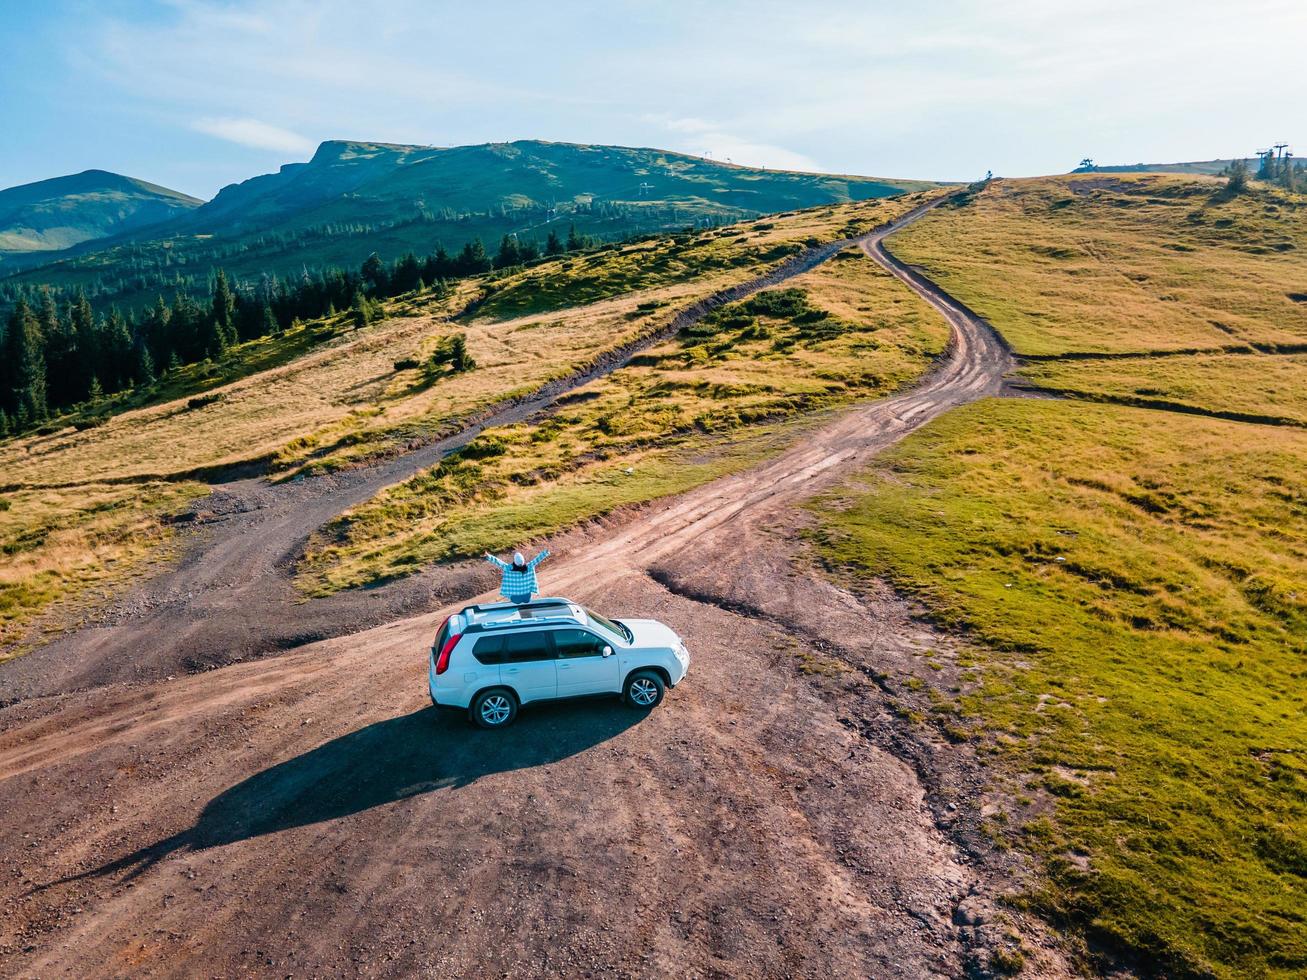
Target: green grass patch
[
  {"x": 1269, "y": 385},
  {"x": 1135, "y": 584}
]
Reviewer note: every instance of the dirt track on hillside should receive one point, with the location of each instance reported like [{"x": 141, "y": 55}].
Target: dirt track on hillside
[
  {"x": 307, "y": 815},
  {"x": 230, "y": 596}
]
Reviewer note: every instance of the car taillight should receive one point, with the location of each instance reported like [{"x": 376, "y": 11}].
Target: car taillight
[{"x": 442, "y": 661}]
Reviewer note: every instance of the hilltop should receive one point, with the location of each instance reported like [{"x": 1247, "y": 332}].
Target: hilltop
[
  {"x": 1194, "y": 167},
  {"x": 355, "y": 198},
  {"x": 61, "y": 212}
]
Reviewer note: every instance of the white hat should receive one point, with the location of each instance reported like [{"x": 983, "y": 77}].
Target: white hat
[{"x": 518, "y": 559}]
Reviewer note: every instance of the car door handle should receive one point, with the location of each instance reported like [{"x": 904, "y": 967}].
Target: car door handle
[
  {"x": 511, "y": 670},
  {"x": 564, "y": 666}
]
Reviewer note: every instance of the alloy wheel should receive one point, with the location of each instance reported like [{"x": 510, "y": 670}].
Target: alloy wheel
[
  {"x": 495, "y": 709},
  {"x": 644, "y": 692}
]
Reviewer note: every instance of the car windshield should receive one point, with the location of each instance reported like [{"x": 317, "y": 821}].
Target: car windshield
[{"x": 609, "y": 626}]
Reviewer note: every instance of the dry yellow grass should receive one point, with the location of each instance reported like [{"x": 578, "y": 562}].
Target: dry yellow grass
[
  {"x": 713, "y": 401},
  {"x": 58, "y": 542},
  {"x": 1122, "y": 263}
]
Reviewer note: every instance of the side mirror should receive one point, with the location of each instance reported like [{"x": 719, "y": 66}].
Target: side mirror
[{"x": 608, "y": 651}]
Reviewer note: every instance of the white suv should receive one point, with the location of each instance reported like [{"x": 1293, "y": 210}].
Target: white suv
[{"x": 490, "y": 660}]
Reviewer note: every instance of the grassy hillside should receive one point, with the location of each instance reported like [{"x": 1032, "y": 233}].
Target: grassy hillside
[
  {"x": 1131, "y": 585},
  {"x": 1129, "y": 581},
  {"x": 326, "y": 395},
  {"x": 1124, "y": 264},
  {"x": 353, "y": 199},
  {"x": 718, "y": 397},
  {"x": 64, "y": 211}
]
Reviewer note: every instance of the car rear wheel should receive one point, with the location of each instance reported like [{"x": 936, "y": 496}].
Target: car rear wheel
[
  {"x": 495, "y": 708},
  {"x": 644, "y": 690}
]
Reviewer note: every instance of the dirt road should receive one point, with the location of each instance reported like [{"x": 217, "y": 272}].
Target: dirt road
[
  {"x": 307, "y": 815},
  {"x": 230, "y": 597}
]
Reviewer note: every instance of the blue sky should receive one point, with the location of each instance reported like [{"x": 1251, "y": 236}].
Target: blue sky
[{"x": 195, "y": 94}]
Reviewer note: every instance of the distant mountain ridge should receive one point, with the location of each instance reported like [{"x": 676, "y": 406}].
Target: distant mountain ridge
[
  {"x": 61, "y": 212},
  {"x": 344, "y": 177},
  {"x": 354, "y": 198}
]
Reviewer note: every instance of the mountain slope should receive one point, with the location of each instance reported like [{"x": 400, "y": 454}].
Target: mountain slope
[
  {"x": 54, "y": 214},
  {"x": 348, "y": 180},
  {"x": 352, "y": 199}
]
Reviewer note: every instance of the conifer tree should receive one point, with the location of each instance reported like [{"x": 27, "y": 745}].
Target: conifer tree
[
  {"x": 4, "y": 424},
  {"x": 24, "y": 364},
  {"x": 144, "y": 365},
  {"x": 88, "y": 353},
  {"x": 214, "y": 342},
  {"x": 553, "y": 244},
  {"x": 574, "y": 241},
  {"x": 473, "y": 260},
  {"x": 509, "y": 255},
  {"x": 375, "y": 279},
  {"x": 406, "y": 276},
  {"x": 224, "y": 308},
  {"x": 61, "y": 360},
  {"x": 1289, "y": 175},
  {"x": 156, "y": 330},
  {"x": 118, "y": 361},
  {"x": 1238, "y": 177},
  {"x": 461, "y": 360},
  {"x": 360, "y": 310}
]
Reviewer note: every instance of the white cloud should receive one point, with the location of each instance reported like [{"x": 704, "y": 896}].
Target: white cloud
[
  {"x": 946, "y": 90},
  {"x": 709, "y": 139},
  {"x": 252, "y": 132}
]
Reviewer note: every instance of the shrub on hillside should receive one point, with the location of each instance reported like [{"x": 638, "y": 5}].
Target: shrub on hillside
[
  {"x": 783, "y": 304},
  {"x": 452, "y": 350},
  {"x": 201, "y": 400}
]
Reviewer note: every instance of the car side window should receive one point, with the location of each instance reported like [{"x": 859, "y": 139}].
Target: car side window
[
  {"x": 489, "y": 650},
  {"x": 527, "y": 646},
  {"x": 577, "y": 643}
]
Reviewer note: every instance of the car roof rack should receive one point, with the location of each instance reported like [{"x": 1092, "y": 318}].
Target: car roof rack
[{"x": 482, "y": 616}]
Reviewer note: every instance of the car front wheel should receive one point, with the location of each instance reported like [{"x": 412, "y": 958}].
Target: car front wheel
[
  {"x": 644, "y": 690},
  {"x": 495, "y": 708}
]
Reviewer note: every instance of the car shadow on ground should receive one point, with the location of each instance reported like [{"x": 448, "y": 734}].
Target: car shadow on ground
[{"x": 389, "y": 760}]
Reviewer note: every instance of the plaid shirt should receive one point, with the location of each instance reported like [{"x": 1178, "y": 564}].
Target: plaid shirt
[{"x": 518, "y": 583}]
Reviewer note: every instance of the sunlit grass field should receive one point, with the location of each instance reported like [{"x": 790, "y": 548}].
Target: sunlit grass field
[
  {"x": 1271, "y": 386},
  {"x": 1123, "y": 263},
  {"x": 1134, "y": 587},
  {"x": 721, "y": 396}
]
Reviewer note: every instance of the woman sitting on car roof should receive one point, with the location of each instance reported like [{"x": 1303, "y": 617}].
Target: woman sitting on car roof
[{"x": 519, "y": 582}]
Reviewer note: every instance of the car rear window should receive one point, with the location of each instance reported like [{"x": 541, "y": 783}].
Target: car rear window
[
  {"x": 521, "y": 647},
  {"x": 527, "y": 646},
  {"x": 489, "y": 650}
]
